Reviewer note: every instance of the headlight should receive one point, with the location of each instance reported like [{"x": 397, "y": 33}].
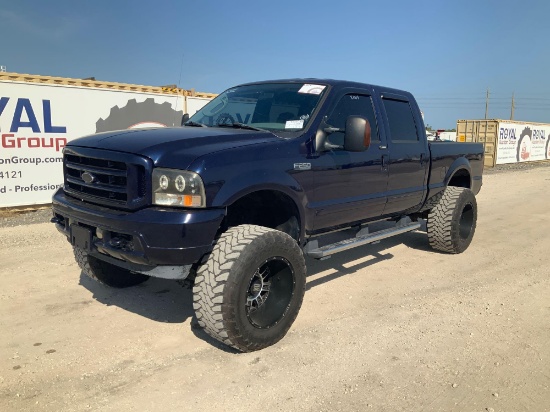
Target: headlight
[{"x": 177, "y": 188}]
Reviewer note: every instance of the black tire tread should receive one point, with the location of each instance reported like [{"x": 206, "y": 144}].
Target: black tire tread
[
  {"x": 81, "y": 258},
  {"x": 440, "y": 221},
  {"x": 105, "y": 273},
  {"x": 212, "y": 278}
]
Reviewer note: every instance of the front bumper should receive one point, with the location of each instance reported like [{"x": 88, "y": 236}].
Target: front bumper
[{"x": 142, "y": 239}]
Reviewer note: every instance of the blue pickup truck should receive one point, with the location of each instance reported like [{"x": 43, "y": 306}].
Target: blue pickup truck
[{"x": 251, "y": 184}]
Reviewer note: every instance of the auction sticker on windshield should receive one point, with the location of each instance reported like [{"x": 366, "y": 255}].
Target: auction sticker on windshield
[
  {"x": 311, "y": 89},
  {"x": 294, "y": 124}
]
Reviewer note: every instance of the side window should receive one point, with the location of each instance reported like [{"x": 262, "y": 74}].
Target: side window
[
  {"x": 401, "y": 120},
  {"x": 352, "y": 105}
]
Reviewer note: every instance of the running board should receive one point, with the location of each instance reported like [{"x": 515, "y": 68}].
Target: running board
[{"x": 346, "y": 244}]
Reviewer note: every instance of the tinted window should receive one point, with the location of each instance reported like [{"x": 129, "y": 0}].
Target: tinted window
[
  {"x": 401, "y": 120},
  {"x": 352, "y": 105}
]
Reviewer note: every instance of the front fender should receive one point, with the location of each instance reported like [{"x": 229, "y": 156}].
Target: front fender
[
  {"x": 239, "y": 185},
  {"x": 253, "y": 181},
  {"x": 231, "y": 174}
]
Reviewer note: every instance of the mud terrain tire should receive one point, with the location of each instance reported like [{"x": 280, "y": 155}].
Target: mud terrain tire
[
  {"x": 105, "y": 273},
  {"x": 452, "y": 222},
  {"x": 249, "y": 291}
]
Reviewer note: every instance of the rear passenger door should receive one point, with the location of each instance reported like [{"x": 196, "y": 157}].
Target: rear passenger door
[{"x": 408, "y": 154}]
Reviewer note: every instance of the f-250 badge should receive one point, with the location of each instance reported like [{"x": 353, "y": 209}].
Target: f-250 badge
[{"x": 302, "y": 166}]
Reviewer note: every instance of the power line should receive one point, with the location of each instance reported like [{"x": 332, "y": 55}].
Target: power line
[{"x": 463, "y": 103}]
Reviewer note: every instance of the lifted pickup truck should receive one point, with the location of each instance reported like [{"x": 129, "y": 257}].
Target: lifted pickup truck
[{"x": 250, "y": 185}]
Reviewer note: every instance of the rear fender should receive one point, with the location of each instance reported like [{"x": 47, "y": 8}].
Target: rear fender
[
  {"x": 436, "y": 190},
  {"x": 459, "y": 164}
]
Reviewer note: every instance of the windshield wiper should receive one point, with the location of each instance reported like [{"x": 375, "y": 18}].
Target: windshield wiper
[
  {"x": 238, "y": 125},
  {"x": 194, "y": 124}
]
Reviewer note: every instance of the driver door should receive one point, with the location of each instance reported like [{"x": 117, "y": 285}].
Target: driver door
[{"x": 350, "y": 186}]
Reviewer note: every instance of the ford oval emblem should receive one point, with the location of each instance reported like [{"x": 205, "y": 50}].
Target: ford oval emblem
[{"x": 88, "y": 177}]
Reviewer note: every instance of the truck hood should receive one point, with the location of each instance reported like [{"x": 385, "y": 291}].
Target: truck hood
[{"x": 174, "y": 147}]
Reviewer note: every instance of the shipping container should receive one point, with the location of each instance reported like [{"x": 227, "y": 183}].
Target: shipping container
[
  {"x": 507, "y": 141},
  {"x": 39, "y": 115}
]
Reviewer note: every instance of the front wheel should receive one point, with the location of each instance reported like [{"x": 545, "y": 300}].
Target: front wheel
[
  {"x": 452, "y": 222},
  {"x": 249, "y": 291},
  {"x": 105, "y": 273}
]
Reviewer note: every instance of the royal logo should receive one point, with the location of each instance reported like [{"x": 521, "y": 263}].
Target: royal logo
[{"x": 507, "y": 133}]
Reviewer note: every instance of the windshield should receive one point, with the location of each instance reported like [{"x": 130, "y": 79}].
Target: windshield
[{"x": 271, "y": 106}]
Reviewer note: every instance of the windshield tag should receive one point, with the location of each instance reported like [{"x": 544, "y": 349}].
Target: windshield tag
[
  {"x": 311, "y": 89},
  {"x": 294, "y": 124}
]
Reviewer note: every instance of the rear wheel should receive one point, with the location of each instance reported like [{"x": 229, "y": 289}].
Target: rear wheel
[
  {"x": 249, "y": 291},
  {"x": 452, "y": 222},
  {"x": 105, "y": 273}
]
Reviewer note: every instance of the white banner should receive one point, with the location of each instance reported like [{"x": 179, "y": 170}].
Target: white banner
[
  {"x": 38, "y": 120},
  {"x": 522, "y": 142}
]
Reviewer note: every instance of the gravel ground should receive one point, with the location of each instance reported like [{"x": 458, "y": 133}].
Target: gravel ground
[
  {"x": 516, "y": 166},
  {"x": 11, "y": 218}
]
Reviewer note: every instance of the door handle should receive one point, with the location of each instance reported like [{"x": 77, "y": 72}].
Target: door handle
[
  {"x": 382, "y": 147},
  {"x": 423, "y": 159}
]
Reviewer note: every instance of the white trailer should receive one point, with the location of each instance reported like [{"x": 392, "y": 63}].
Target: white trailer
[
  {"x": 39, "y": 115},
  {"x": 448, "y": 136}
]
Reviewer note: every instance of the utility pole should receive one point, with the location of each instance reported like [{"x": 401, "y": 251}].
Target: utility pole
[
  {"x": 487, "y": 104},
  {"x": 513, "y": 107}
]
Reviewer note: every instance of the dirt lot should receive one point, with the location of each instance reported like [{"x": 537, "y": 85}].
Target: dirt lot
[{"x": 388, "y": 327}]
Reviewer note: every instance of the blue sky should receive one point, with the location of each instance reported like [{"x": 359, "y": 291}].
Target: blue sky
[{"x": 447, "y": 53}]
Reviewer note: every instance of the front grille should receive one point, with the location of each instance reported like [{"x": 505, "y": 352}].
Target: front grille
[{"x": 106, "y": 181}]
